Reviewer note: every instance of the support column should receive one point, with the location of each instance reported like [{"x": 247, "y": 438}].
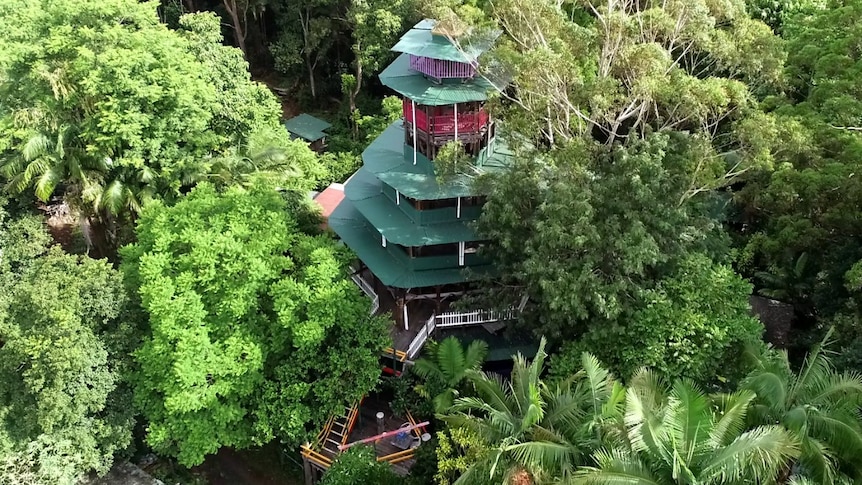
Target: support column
[
  {"x": 306, "y": 469},
  {"x": 461, "y": 246},
  {"x": 406, "y": 322},
  {"x": 397, "y": 197},
  {"x": 458, "y": 209},
  {"x": 413, "y": 107},
  {"x": 456, "y": 121}
]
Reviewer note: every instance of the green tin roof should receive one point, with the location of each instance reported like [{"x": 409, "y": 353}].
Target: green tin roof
[
  {"x": 419, "y": 41},
  {"x": 415, "y": 86},
  {"x": 391, "y": 160},
  {"x": 357, "y": 233},
  {"x": 364, "y": 190},
  {"x": 307, "y": 127}
]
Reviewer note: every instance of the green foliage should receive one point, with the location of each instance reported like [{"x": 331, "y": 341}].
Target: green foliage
[
  {"x": 256, "y": 332},
  {"x": 818, "y": 405},
  {"x": 680, "y": 435},
  {"x": 64, "y": 411},
  {"x": 694, "y": 324},
  {"x": 564, "y": 237},
  {"x": 110, "y": 106},
  {"x": 445, "y": 366},
  {"x": 529, "y": 426},
  {"x": 809, "y": 205},
  {"x": 776, "y": 12},
  {"x": 22, "y": 239},
  {"x": 460, "y": 449},
  {"x": 359, "y": 465}
]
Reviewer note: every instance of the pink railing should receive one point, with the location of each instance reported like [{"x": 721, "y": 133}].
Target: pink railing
[
  {"x": 441, "y": 69},
  {"x": 469, "y": 122}
]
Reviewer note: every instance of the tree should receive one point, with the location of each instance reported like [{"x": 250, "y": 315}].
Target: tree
[
  {"x": 256, "y": 331},
  {"x": 680, "y": 436},
  {"x": 534, "y": 428},
  {"x": 64, "y": 409},
  {"x": 375, "y": 25},
  {"x": 446, "y": 367},
  {"x": 809, "y": 205},
  {"x": 107, "y": 105},
  {"x": 610, "y": 70},
  {"x": 691, "y": 325},
  {"x": 359, "y": 465},
  {"x": 307, "y": 32},
  {"x": 573, "y": 250},
  {"x": 818, "y": 405}
]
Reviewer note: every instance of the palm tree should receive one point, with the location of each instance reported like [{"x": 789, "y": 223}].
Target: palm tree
[
  {"x": 46, "y": 161},
  {"x": 536, "y": 432},
  {"x": 817, "y": 405},
  {"x": 446, "y": 367},
  {"x": 680, "y": 436}
]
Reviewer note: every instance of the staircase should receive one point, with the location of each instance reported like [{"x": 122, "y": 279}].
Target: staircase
[{"x": 338, "y": 431}]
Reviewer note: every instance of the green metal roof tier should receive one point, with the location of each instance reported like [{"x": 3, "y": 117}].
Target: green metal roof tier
[
  {"x": 392, "y": 162},
  {"x": 419, "y": 41},
  {"x": 359, "y": 236},
  {"x": 415, "y": 86},
  {"x": 364, "y": 191},
  {"x": 307, "y": 127}
]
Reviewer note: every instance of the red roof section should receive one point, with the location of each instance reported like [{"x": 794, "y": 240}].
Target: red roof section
[{"x": 329, "y": 199}]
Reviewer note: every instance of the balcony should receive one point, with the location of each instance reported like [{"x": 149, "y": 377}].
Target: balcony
[
  {"x": 439, "y": 69},
  {"x": 470, "y": 121}
]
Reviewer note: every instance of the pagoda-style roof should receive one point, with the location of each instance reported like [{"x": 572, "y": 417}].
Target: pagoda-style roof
[
  {"x": 364, "y": 240},
  {"x": 412, "y": 84},
  {"x": 392, "y": 162},
  {"x": 432, "y": 39},
  {"x": 364, "y": 190},
  {"x": 307, "y": 127}
]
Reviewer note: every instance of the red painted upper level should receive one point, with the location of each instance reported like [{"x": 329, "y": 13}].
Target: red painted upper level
[{"x": 440, "y": 120}]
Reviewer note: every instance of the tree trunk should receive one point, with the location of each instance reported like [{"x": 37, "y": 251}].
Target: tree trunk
[
  {"x": 354, "y": 93},
  {"x": 311, "y": 84},
  {"x": 190, "y": 6},
  {"x": 305, "y": 23},
  {"x": 238, "y": 26}
]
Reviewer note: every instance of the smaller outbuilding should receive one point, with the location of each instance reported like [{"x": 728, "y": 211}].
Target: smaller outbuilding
[{"x": 310, "y": 129}]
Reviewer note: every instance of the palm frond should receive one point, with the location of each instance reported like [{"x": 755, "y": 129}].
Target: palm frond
[
  {"x": 616, "y": 468},
  {"x": 47, "y": 182},
  {"x": 475, "y": 354},
  {"x": 599, "y": 380},
  {"x": 35, "y": 147},
  {"x": 733, "y": 409},
  {"x": 757, "y": 455},
  {"x": 815, "y": 460},
  {"x": 543, "y": 456},
  {"x": 688, "y": 418},
  {"x": 450, "y": 359}
]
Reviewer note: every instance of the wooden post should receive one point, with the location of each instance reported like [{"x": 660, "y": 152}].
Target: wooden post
[
  {"x": 306, "y": 469},
  {"x": 438, "y": 299}
]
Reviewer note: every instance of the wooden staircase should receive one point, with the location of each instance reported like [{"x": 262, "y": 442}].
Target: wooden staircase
[{"x": 338, "y": 431}]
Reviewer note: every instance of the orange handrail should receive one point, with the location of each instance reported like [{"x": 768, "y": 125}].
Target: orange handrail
[
  {"x": 351, "y": 419},
  {"x": 316, "y": 457},
  {"x": 398, "y": 456}
]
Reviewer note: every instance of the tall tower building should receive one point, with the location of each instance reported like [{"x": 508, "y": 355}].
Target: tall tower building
[{"x": 408, "y": 225}]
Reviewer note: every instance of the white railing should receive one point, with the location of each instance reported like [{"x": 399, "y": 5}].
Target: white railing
[
  {"x": 478, "y": 317},
  {"x": 368, "y": 290},
  {"x": 421, "y": 337}
]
